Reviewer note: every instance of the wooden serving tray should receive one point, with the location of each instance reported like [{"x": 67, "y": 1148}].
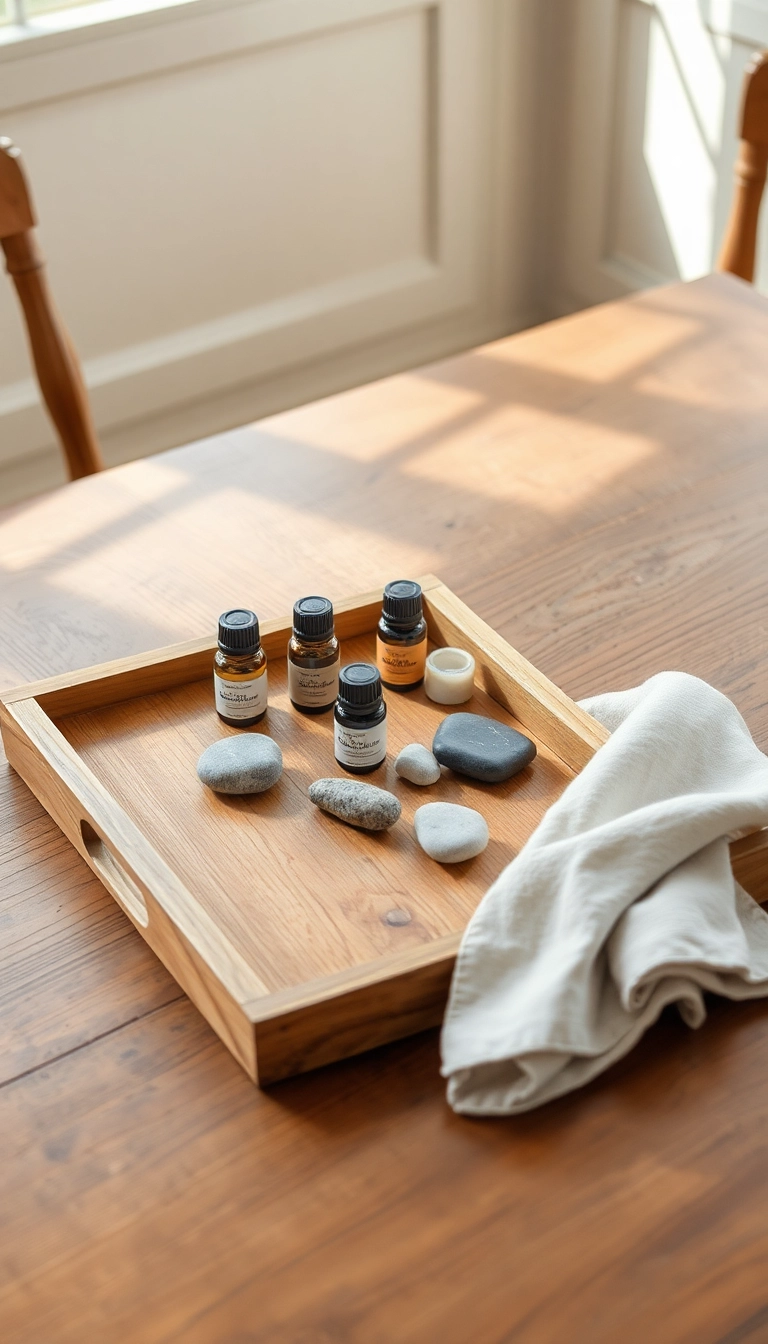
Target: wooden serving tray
[{"x": 301, "y": 940}]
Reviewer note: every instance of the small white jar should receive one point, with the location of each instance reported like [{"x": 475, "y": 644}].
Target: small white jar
[{"x": 449, "y": 676}]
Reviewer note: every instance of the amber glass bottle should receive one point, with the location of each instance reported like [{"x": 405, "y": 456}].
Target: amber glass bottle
[
  {"x": 240, "y": 670},
  {"x": 401, "y": 638},
  {"x": 313, "y": 657}
]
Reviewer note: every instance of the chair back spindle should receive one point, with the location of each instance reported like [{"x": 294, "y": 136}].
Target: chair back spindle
[
  {"x": 737, "y": 253},
  {"x": 56, "y": 364}
]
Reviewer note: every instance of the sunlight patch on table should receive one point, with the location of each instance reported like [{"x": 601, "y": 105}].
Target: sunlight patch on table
[
  {"x": 373, "y": 422},
  {"x": 536, "y": 460},
  {"x": 165, "y": 555},
  {"x": 609, "y": 345},
  {"x": 41, "y": 530}
]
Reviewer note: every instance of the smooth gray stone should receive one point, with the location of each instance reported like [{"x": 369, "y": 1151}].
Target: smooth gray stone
[
  {"x": 362, "y": 805},
  {"x": 449, "y": 833},
  {"x": 250, "y": 763},
  {"x": 482, "y": 748},
  {"x": 417, "y": 764}
]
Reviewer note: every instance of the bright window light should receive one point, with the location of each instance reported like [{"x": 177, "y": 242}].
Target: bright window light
[
  {"x": 678, "y": 157},
  {"x": 28, "y": 18},
  {"x": 30, "y": 7}
]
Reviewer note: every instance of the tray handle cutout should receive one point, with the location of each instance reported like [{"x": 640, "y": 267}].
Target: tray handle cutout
[{"x": 111, "y": 871}]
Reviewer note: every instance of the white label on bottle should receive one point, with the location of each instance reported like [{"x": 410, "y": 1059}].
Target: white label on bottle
[
  {"x": 360, "y": 746},
  {"x": 314, "y": 687},
  {"x": 240, "y": 699}
]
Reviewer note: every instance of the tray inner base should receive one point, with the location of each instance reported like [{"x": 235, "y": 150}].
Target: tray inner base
[{"x": 300, "y": 894}]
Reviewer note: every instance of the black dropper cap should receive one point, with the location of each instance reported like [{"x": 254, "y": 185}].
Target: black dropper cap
[
  {"x": 402, "y": 604},
  {"x": 239, "y": 632},
  {"x": 359, "y": 688},
  {"x": 313, "y": 618}
]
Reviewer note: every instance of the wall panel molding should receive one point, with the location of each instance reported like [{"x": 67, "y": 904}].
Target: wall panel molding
[
  {"x": 43, "y": 71},
  {"x": 447, "y": 94}
]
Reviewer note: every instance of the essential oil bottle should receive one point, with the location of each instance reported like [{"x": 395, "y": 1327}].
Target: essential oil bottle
[
  {"x": 313, "y": 657},
  {"x": 240, "y": 670},
  {"x": 401, "y": 638},
  {"x": 360, "y": 720}
]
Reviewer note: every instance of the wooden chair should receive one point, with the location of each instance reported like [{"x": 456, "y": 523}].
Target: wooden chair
[
  {"x": 737, "y": 253},
  {"x": 57, "y": 366}
]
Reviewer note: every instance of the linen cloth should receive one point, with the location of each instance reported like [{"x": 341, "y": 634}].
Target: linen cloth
[{"x": 622, "y": 901}]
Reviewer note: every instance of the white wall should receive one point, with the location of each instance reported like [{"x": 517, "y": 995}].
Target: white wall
[
  {"x": 245, "y": 205},
  {"x": 647, "y": 142},
  {"x": 250, "y": 203}
]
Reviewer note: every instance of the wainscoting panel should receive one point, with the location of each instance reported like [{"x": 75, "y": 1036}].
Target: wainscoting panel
[{"x": 254, "y": 190}]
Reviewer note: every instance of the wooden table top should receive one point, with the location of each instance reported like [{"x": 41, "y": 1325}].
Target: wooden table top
[{"x": 597, "y": 490}]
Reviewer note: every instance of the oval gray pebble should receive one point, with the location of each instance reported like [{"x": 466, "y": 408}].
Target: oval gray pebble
[
  {"x": 251, "y": 763},
  {"x": 417, "y": 764},
  {"x": 449, "y": 833},
  {"x": 362, "y": 805}
]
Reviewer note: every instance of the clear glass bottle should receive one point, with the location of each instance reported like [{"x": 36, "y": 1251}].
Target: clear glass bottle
[
  {"x": 360, "y": 720},
  {"x": 313, "y": 657},
  {"x": 401, "y": 637},
  {"x": 240, "y": 670}
]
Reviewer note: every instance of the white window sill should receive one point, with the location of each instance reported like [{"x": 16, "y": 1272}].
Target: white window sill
[
  {"x": 68, "y": 27},
  {"x": 742, "y": 20},
  {"x": 61, "y": 61}
]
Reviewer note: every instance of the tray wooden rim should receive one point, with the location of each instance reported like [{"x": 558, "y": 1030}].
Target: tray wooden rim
[{"x": 276, "y": 1034}]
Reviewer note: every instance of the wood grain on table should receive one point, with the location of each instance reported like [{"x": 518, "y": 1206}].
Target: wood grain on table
[{"x": 596, "y": 490}]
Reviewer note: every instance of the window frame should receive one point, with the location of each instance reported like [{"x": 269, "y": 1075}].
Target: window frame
[{"x": 71, "y": 25}]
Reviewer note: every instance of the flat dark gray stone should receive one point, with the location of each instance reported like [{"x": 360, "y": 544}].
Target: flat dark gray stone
[
  {"x": 482, "y": 748},
  {"x": 249, "y": 763}
]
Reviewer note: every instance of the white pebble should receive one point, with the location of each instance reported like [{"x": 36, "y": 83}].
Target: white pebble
[
  {"x": 449, "y": 833},
  {"x": 417, "y": 764}
]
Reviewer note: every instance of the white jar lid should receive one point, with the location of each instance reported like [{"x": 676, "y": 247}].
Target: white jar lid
[{"x": 449, "y": 676}]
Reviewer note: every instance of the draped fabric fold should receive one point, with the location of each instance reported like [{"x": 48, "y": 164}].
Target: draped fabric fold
[{"x": 622, "y": 901}]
